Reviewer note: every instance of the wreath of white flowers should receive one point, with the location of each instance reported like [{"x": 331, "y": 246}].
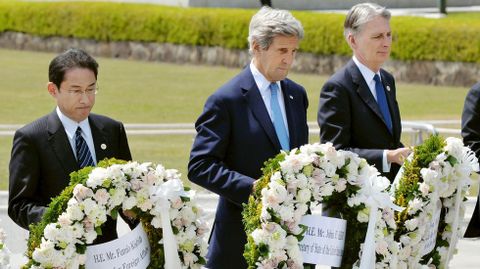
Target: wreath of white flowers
[
  {"x": 441, "y": 189},
  {"x": 141, "y": 187},
  {"x": 297, "y": 181},
  {"x": 4, "y": 252}
]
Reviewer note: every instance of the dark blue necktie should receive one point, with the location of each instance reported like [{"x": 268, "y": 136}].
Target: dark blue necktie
[
  {"x": 84, "y": 157},
  {"x": 382, "y": 102},
  {"x": 277, "y": 116}
]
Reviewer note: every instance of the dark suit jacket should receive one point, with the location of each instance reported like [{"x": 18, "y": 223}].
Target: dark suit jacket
[
  {"x": 42, "y": 160},
  {"x": 235, "y": 136},
  {"x": 471, "y": 138},
  {"x": 350, "y": 118}
]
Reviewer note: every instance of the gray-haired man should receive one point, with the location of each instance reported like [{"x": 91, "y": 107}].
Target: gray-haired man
[
  {"x": 243, "y": 124},
  {"x": 358, "y": 108}
]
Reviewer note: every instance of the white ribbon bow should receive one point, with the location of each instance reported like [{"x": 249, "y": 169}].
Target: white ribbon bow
[
  {"x": 376, "y": 197},
  {"x": 162, "y": 195}
]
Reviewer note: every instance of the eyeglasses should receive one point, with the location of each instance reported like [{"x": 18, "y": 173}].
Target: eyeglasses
[{"x": 87, "y": 92}]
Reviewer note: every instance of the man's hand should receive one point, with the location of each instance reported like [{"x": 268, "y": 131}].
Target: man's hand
[
  {"x": 398, "y": 156},
  {"x": 130, "y": 214}
]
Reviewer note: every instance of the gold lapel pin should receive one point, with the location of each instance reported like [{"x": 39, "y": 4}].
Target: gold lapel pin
[{"x": 103, "y": 146}]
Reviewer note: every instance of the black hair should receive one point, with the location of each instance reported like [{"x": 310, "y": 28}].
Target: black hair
[{"x": 70, "y": 59}]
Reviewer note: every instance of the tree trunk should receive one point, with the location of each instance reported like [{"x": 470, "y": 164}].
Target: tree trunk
[{"x": 442, "y": 5}]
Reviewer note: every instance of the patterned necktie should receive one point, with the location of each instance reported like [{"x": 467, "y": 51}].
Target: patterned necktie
[
  {"x": 277, "y": 116},
  {"x": 382, "y": 102},
  {"x": 84, "y": 157}
]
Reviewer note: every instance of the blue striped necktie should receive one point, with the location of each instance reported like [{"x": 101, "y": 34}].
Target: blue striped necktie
[
  {"x": 84, "y": 157},
  {"x": 382, "y": 102},
  {"x": 277, "y": 116}
]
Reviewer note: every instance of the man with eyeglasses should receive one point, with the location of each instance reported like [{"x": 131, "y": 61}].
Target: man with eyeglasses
[{"x": 47, "y": 150}]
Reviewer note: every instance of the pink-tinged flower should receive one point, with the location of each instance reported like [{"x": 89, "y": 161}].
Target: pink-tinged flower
[
  {"x": 64, "y": 219},
  {"x": 176, "y": 202},
  {"x": 88, "y": 224},
  {"x": 102, "y": 196},
  {"x": 81, "y": 192},
  {"x": 151, "y": 178}
]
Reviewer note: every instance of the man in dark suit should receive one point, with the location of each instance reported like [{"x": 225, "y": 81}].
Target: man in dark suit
[
  {"x": 471, "y": 138},
  {"x": 244, "y": 123},
  {"x": 358, "y": 109},
  {"x": 47, "y": 150}
]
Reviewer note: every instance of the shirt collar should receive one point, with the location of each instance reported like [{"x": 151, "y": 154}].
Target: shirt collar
[
  {"x": 367, "y": 73},
  {"x": 262, "y": 83},
  {"x": 71, "y": 125}
]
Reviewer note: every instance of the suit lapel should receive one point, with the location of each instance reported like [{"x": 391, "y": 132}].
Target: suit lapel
[
  {"x": 288, "y": 98},
  {"x": 60, "y": 145},
  {"x": 256, "y": 104},
  {"x": 102, "y": 148},
  {"x": 364, "y": 91}
]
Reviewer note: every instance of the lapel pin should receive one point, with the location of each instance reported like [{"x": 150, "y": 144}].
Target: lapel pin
[
  {"x": 388, "y": 88},
  {"x": 291, "y": 97},
  {"x": 103, "y": 146}
]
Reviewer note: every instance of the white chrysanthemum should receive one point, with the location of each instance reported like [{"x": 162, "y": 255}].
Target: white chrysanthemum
[
  {"x": 414, "y": 205},
  {"x": 75, "y": 212},
  {"x": 411, "y": 224},
  {"x": 96, "y": 177},
  {"x": 260, "y": 236},
  {"x": 294, "y": 163}
]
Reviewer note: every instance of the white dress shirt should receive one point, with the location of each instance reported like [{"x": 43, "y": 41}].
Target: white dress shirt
[
  {"x": 368, "y": 75},
  {"x": 264, "y": 87},
  {"x": 71, "y": 126}
]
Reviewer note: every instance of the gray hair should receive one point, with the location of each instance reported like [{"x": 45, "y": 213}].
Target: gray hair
[
  {"x": 268, "y": 23},
  {"x": 361, "y": 14}
]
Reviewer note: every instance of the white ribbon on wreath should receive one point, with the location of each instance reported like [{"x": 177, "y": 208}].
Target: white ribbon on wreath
[
  {"x": 468, "y": 159},
  {"x": 373, "y": 191},
  {"x": 161, "y": 196}
]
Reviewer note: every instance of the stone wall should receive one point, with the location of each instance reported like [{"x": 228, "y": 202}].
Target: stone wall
[{"x": 426, "y": 72}]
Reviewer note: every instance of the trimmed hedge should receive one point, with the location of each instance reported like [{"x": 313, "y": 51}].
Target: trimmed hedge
[{"x": 448, "y": 39}]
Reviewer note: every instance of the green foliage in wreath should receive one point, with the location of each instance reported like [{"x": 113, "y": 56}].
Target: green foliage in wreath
[{"x": 58, "y": 205}]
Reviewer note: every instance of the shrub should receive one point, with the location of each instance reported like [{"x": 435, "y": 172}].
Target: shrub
[{"x": 448, "y": 39}]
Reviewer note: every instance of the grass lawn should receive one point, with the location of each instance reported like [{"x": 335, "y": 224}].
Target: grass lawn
[{"x": 146, "y": 92}]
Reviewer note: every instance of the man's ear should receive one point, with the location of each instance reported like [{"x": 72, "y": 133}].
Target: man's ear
[
  {"x": 351, "y": 40},
  {"x": 52, "y": 89},
  {"x": 256, "y": 47}
]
